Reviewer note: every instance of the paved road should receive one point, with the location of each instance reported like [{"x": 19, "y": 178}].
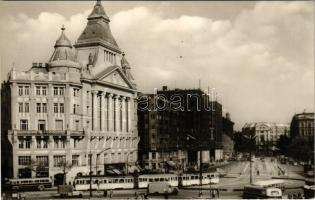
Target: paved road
[{"x": 237, "y": 177}]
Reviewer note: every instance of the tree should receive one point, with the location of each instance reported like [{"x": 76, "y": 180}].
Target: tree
[
  {"x": 283, "y": 144},
  {"x": 301, "y": 148}
]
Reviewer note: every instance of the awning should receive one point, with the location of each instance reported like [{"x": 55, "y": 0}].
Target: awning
[
  {"x": 171, "y": 163},
  {"x": 117, "y": 171},
  {"x": 109, "y": 171}
]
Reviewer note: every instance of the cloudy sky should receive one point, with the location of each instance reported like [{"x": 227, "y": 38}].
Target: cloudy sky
[{"x": 258, "y": 55}]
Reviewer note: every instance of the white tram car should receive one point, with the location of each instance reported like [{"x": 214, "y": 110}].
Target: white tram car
[
  {"x": 193, "y": 179},
  {"x": 104, "y": 183},
  {"x": 128, "y": 182},
  {"x": 145, "y": 179}
]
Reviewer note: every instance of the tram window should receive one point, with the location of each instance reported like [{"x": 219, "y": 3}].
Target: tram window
[
  {"x": 175, "y": 178},
  {"x": 161, "y": 179},
  {"x": 115, "y": 180},
  {"x": 196, "y": 177},
  {"x": 140, "y": 179},
  {"x": 105, "y": 181},
  {"x": 87, "y": 181},
  {"x": 156, "y": 179},
  {"x": 121, "y": 181},
  {"x": 150, "y": 179}
]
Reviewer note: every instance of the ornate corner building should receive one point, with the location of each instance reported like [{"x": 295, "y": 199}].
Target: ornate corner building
[{"x": 80, "y": 105}]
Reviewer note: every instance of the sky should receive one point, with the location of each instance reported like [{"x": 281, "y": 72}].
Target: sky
[{"x": 259, "y": 56}]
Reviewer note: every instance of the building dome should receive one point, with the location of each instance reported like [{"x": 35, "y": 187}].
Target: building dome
[{"x": 63, "y": 55}]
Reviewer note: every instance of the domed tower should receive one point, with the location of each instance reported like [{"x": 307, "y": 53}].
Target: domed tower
[
  {"x": 63, "y": 59},
  {"x": 96, "y": 47}
]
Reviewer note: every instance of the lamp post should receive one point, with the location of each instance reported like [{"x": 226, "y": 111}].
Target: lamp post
[
  {"x": 251, "y": 141},
  {"x": 200, "y": 162},
  {"x": 90, "y": 162}
]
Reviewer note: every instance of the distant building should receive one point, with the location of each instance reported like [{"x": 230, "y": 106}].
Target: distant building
[
  {"x": 228, "y": 134},
  {"x": 82, "y": 102},
  {"x": 302, "y": 125},
  {"x": 175, "y": 136},
  {"x": 266, "y": 133}
]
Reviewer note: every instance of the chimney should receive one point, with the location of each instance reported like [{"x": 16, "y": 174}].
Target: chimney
[
  {"x": 34, "y": 64},
  {"x": 164, "y": 88},
  {"x": 227, "y": 115}
]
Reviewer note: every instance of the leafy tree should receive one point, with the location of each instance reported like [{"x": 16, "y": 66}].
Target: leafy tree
[
  {"x": 283, "y": 144},
  {"x": 301, "y": 148}
]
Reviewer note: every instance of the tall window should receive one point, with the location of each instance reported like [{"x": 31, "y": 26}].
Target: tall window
[
  {"x": 24, "y": 124},
  {"x": 27, "y": 90},
  {"x": 59, "y": 161},
  {"x": 75, "y": 160},
  {"x": 37, "y": 90},
  {"x": 77, "y": 124},
  {"x": 61, "y": 91},
  {"x": 38, "y": 107},
  {"x": 55, "y": 107},
  {"x": 75, "y": 92},
  {"x": 21, "y": 143},
  {"x": 28, "y": 143},
  {"x": 26, "y": 107},
  {"x": 20, "y": 90},
  {"x": 20, "y": 107},
  {"x": 42, "y": 160},
  {"x": 55, "y": 91},
  {"x": 44, "y": 91},
  {"x": 44, "y": 108},
  {"x": 61, "y": 107},
  {"x": 24, "y": 160},
  {"x": 41, "y": 125}
]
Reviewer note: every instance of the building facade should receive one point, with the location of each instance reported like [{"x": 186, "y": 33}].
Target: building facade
[
  {"x": 228, "y": 135},
  {"x": 177, "y": 125},
  {"x": 302, "y": 125},
  {"x": 81, "y": 105},
  {"x": 266, "y": 133}
]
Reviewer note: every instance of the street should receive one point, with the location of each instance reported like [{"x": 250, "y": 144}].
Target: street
[{"x": 230, "y": 186}]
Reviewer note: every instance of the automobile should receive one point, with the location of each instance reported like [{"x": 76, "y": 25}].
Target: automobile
[
  {"x": 161, "y": 188},
  {"x": 310, "y": 173},
  {"x": 295, "y": 163},
  {"x": 67, "y": 191}
]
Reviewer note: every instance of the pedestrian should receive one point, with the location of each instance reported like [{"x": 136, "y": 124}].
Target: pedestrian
[
  {"x": 212, "y": 195},
  {"x": 299, "y": 196},
  {"x": 294, "y": 196},
  {"x": 136, "y": 195},
  {"x": 289, "y": 196},
  {"x": 110, "y": 193},
  {"x": 105, "y": 193}
]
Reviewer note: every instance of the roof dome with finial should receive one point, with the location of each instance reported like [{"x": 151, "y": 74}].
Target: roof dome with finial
[
  {"x": 98, "y": 11},
  {"x": 63, "y": 54},
  {"x": 63, "y": 41}
]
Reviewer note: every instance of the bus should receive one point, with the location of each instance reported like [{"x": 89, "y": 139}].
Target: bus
[
  {"x": 258, "y": 192},
  {"x": 277, "y": 183},
  {"x": 29, "y": 184}
]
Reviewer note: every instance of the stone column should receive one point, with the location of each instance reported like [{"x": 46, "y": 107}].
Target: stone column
[
  {"x": 110, "y": 112},
  {"x": 103, "y": 111},
  {"x": 67, "y": 106},
  {"x": 117, "y": 109},
  {"x": 128, "y": 115},
  {"x": 123, "y": 112},
  {"x": 94, "y": 110}
]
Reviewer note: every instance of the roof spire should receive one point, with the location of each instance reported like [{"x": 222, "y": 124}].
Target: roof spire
[{"x": 98, "y": 2}]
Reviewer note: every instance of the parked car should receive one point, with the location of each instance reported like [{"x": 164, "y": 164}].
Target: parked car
[
  {"x": 161, "y": 188},
  {"x": 67, "y": 191}
]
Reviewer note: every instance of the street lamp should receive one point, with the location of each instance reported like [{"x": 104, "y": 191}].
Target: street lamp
[
  {"x": 90, "y": 157},
  {"x": 200, "y": 162},
  {"x": 251, "y": 139}
]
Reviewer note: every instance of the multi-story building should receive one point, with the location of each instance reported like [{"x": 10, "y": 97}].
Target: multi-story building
[
  {"x": 80, "y": 106},
  {"x": 228, "y": 134},
  {"x": 266, "y": 133},
  {"x": 177, "y": 125},
  {"x": 302, "y": 125}
]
